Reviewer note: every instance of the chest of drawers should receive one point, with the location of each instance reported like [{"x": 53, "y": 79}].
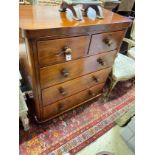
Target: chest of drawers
[{"x": 59, "y": 85}]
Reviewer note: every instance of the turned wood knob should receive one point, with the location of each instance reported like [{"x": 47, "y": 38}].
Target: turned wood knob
[
  {"x": 91, "y": 93},
  {"x": 107, "y": 41},
  {"x": 100, "y": 61},
  {"x": 62, "y": 91},
  {"x": 60, "y": 107},
  {"x": 95, "y": 79},
  {"x": 65, "y": 72},
  {"x": 67, "y": 50}
]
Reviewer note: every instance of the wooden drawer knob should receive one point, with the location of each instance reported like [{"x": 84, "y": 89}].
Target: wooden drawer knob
[
  {"x": 100, "y": 61},
  {"x": 91, "y": 93},
  {"x": 107, "y": 41},
  {"x": 95, "y": 79},
  {"x": 62, "y": 91},
  {"x": 67, "y": 50},
  {"x": 64, "y": 72}
]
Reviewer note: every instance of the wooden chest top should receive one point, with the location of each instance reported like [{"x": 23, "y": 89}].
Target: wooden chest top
[{"x": 46, "y": 19}]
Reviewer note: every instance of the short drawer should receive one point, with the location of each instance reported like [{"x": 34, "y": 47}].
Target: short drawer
[
  {"x": 53, "y": 51},
  {"x": 105, "y": 42},
  {"x": 59, "y": 73},
  {"x": 60, "y": 91},
  {"x": 72, "y": 101}
]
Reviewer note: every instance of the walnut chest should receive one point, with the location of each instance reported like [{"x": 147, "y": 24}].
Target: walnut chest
[{"x": 67, "y": 62}]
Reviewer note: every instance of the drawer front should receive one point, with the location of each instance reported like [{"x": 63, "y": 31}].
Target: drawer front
[
  {"x": 53, "y": 51},
  {"x": 57, "y": 92},
  {"x": 105, "y": 42},
  {"x": 66, "y": 71},
  {"x": 72, "y": 101}
]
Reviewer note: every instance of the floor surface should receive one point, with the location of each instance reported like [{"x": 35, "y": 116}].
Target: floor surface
[{"x": 110, "y": 141}]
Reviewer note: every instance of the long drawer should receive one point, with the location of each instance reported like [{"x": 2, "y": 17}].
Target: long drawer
[
  {"x": 72, "y": 101},
  {"x": 104, "y": 42},
  {"x": 60, "y": 91},
  {"x": 59, "y": 73},
  {"x": 53, "y": 51}
]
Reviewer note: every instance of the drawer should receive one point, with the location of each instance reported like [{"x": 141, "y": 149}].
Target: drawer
[
  {"x": 57, "y": 92},
  {"x": 59, "y": 73},
  {"x": 53, "y": 51},
  {"x": 72, "y": 101},
  {"x": 105, "y": 42}
]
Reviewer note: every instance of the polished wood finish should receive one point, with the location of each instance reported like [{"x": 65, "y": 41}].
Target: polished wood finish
[
  {"x": 53, "y": 51},
  {"x": 38, "y": 22},
  {"x": 52, "y": 75},
  {"x": 42, "y": 17},
  {"x": 105, "y": 42},
  {"x": 72, "y": 101},
  {"x": 52, "y": 94},
  {"x": 59, "y": 85},
  {"x": 28, "y": 67}
]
